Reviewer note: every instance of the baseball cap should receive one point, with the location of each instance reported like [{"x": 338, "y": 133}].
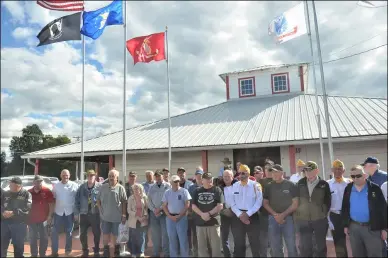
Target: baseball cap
[
  {"x": 16, "y": 180},
  {"x": 158, "y": 173},
  {"x": 181, "y": 169},
  {"x": 311, "y": 165},
  {"x": 207, "y": 176},
  {"x": 372, "y": 160},
  {"x": 300, "y": 163},
  {"x": 277, "y": 168},
  {"x": 337, "y": 164},
  {"x": 199, "y": 172},
  {"x": 258, "y": 168},
  {"x": 165, "y": 170},
  {"x": 91, "y": 172},
  {"x": 38, "y": 178},
  {"x": 175, "y": 178},
  {"x": 132, "y": 173}
]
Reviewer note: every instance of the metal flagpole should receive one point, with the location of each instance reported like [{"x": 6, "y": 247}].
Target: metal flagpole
[
  {"x": 124, "y": 158},
  {"x": 327, "y": 117},
  {"x": 168, "y": 100},
  {"x": 316, "y": 93},
  {"x": 82, "y": 109}
]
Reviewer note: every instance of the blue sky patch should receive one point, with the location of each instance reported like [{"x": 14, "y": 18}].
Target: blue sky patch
[
  {"x": 61, "y": 114},
  {"x": 59, "y": 125}
]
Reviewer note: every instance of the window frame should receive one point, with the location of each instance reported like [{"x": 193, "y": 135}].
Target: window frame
[
  {"x": 287, "y": 83},
  {"x": 252, "y": 78}
]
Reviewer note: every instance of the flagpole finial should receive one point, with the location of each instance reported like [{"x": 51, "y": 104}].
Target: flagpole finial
[{"x": 166, "y": 28}]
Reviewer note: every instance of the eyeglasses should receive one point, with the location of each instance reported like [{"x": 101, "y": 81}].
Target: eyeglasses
[{"x": 356, "y": 176}]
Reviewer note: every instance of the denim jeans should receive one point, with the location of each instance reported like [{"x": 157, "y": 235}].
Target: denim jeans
[
  {"x": 15, "y": 231},
  {"x": 93, "y": 221},
  {"x": 35, "y": 229},
  {"x": 137, "y": 239},
  {"x": 178, "y": 229},
  {"x": 159, "y": 234},
  {"x": 67, "y": 222},
  {"x": 225, "y": 230},
  {"x": 279, "y": 231}
]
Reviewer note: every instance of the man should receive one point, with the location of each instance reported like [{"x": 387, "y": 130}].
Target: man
[
  {"x": 149, "y": 181},
  {"x": 225, "y": 162},
  {"x": 176, "y": 202},
  {"x": 337, "y": 185},
  {"x": 384, "y": 188},
  {"x": 184, "y": 183},
  {"x": 40, "y": 216},
  {"x": 246, "y": 201},
  {"x": 112, "y": 203},
  {"x": 281, "y": 200},
  {"x": 364, "y": 215},
  {"x": 264, "y": 216},
  {"x": 311, "y": 214},
  {"x": 64, "y": 193},
  {"x": 15, "y": 206},
  {"x": 85, "y": 206},
  {"x": 258, "y": 173},
  {"x": 192, "y": 234},
  {"x": 166, "y": 175},
  {"x": 157, "y": 217},
  {"x": 226, "y": 215},
  {"x": 132, "y": 176},
  {"x": 299, "y": 173},
  {"x": 207, "y": 203},
  {"x": 372, "y": 168}
]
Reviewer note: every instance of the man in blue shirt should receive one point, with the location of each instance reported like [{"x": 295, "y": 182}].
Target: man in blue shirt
[
  {"x": 364, "y": 215},
  {"x": 372, "y": 168}
]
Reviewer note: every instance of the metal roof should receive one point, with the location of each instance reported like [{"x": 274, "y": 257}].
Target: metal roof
[
  {"x": 260, "y": 68},
  {"x": 271, "y": 120}
]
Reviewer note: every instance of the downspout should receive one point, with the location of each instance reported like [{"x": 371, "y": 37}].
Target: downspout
[{"x": 30, "y": 162}]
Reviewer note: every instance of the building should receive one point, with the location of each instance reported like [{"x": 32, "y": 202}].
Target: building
[{"x": 267, "y": 113}]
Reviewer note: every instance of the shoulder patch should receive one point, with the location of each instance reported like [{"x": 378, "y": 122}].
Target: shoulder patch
[{"x": 259, "y": 187}]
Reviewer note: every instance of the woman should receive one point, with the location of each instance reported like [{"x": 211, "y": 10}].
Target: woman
[{"x": 137, "y": 219}]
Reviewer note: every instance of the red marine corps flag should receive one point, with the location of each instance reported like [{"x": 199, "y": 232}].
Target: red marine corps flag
[{"x": 147, "y": 48}]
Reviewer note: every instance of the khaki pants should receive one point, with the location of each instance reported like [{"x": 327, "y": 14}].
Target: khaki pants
[{"x": 208, "y": 236}]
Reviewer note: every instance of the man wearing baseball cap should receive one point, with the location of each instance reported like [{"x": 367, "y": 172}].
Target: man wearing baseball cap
[
  {"x": 85, "y": 206},
  {"x": 299, "y": 173},
  {"x": 15, "y": 207},
  {"x": 372, "y": 167},
  {"x": 40, "y": 216},
  {"x": 337, "y": 185},
  {"x": 311, "y": 214}
]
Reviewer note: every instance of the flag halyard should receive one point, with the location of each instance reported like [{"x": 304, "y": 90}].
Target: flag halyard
[{"x": 148, "y": 48}]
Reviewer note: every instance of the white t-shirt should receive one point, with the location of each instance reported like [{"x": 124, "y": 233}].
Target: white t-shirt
[
  {"x": 65, "y": 195},
  {"x": 384, "y": 188}
]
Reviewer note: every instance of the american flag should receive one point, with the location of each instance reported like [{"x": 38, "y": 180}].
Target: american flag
[{"x": 62, "y": 5}]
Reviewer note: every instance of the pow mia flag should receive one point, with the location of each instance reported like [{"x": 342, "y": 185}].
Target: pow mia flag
[{"x": 61, "y": 29}]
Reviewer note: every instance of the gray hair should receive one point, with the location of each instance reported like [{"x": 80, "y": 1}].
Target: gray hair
[
  {"x": 358, "y": 168},
  {"x": 149, "y": 172},
  {"x": 229, "y": 172},
  {"x": 114, "y": 171}
]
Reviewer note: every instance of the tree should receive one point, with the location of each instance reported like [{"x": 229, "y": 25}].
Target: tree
[
  {"x": 4, "y": 164},
  {"x": 31, "y": 140}
]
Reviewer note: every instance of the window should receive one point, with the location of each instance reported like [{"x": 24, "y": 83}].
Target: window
[
  {"x": 280, "y": 82},
  {"x": 246, "y": 87}
]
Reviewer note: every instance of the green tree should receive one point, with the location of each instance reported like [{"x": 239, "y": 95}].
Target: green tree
[
  {"x": 31, "y": 140},
  {"x": 4, "y": 164}
]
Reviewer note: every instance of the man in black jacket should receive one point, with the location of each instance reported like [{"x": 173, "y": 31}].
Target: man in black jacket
[
  {"x": 311, "y": 215},
  {"x": 15, "y": 206},
  {"x": 364, "y": 215}
]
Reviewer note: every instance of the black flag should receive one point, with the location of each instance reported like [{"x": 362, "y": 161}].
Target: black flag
[{"x": 61, "y": 29}]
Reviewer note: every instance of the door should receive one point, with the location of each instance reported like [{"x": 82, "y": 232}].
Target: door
[{"x": 256, "y": 156}]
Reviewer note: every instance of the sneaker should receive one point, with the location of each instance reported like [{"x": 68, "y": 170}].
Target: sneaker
[
  {"x": 54, "y": 255},
  {"x": 142, "y": 255},
  {"x": 106, "y": 251},
  {"x": 85, "y": 253},
  {"x": 68, "y": 253},
  {"x": 117, "y": 250}
]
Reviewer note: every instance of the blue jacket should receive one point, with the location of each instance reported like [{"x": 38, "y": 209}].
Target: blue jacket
[
  {"x": 147, "y": 187},
  {"x": 379, "y": 177},
  {"x": 81, "y": 200}
]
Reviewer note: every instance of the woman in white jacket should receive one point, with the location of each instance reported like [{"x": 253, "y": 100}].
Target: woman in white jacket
[{"x": 137, "y": 219}]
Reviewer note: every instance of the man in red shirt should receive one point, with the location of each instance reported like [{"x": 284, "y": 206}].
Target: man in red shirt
[{"x": 40, "y": 216}]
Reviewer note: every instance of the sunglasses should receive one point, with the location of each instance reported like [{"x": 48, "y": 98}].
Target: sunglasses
[
  {"x": 356, "y": 176},
  {"x": 177, "y": 181}
]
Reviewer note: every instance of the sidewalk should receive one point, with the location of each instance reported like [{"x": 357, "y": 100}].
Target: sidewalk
[{"x": 77, "y": 250}]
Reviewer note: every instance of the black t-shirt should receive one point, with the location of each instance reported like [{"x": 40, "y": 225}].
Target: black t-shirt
[
  {"x": 280, "y": 195},
  {"x": 206, "y": 200},
  {"x": 264, "y": 182}
]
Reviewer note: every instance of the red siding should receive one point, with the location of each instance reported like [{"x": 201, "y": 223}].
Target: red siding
[
  {"x": 204, "y": 160},
  {"x": 292, "y": 159},
  {"x": 301, "y": 73},
  {"x": 228, "y": 87}
]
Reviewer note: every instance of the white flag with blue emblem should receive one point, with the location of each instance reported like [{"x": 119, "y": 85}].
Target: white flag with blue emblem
[{"x": 289, "y": 25}]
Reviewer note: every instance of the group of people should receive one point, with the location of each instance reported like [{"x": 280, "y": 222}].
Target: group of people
[{"x": 197, "y": 218}]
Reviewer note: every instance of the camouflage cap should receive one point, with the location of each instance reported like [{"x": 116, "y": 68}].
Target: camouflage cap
[{"x": 311, "y": 165}]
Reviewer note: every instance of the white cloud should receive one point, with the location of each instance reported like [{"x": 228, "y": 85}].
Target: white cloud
[{"x": 205, "y": 39}]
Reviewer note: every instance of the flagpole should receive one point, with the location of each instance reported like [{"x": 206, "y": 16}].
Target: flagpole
[
  {"x": 327, "y": 117},
  {"x": 124, "y": 158},
  {"x": 82, "y": 109},
  {"x": 316, "y": 92},
  {"x": 168, "y": 100}
]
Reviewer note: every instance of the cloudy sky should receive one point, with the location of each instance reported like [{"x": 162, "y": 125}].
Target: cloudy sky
[{"x": 43, "y": 85}]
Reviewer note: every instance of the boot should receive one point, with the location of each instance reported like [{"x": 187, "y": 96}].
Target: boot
[
  {"x": 117, "y": 250},
  {"x": 106, "y": 251}
]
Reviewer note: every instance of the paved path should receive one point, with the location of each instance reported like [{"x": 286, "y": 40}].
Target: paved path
[{"x": 77, "y": 251}]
